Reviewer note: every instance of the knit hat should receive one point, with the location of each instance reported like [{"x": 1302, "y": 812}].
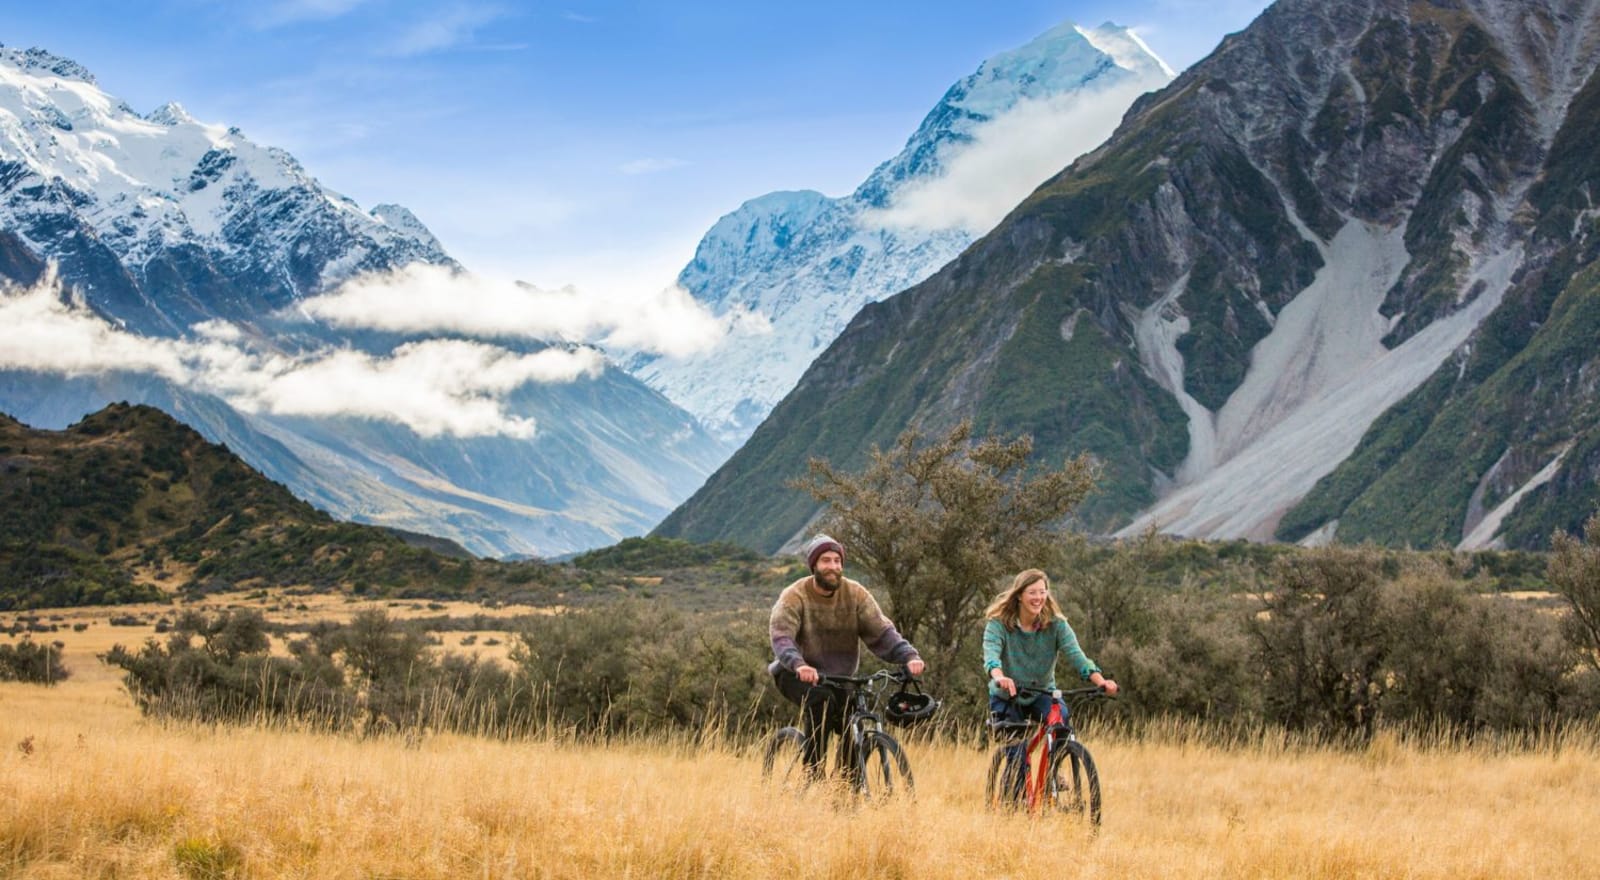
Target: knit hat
[{"x": 820, "y": 545}]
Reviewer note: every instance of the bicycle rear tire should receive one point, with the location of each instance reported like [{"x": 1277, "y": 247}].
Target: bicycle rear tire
[
  {"x": 1074, "y": 782},
  {"x": 783, "y": 761},
  {"x": 882, "y": 769}
]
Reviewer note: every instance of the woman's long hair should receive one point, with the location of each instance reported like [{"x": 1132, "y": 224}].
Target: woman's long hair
[{"x": 1007, "y": 607}]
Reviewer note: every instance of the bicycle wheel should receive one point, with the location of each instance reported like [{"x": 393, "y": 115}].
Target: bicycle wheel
[
  {"x": 783, "y": 762},
  {"x": 882, "y": 768},
  {"x": 1074, "y": 782},
  {"x": 1002, "y": 790}
]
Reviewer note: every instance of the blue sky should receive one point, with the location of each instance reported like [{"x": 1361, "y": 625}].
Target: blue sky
[{"x": 589, "y": 143}]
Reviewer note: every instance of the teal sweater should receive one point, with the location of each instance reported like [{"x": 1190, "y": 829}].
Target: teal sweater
[{"x": 1028, "y": 657}]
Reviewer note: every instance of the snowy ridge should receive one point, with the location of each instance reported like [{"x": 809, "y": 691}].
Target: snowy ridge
[
  {"x": 149, "y": 184},
  {"x": 793, "y": 268}
]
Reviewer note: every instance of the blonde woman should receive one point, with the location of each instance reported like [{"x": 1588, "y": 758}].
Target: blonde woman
[{"x": 1024, "y": 634}]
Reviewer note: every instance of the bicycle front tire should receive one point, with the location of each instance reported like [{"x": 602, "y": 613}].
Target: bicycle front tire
[
  {"x": 1003, "y": 788},
  {"x": 882, "y": 768},
  {"x": 783, "y": 762},
  {"x": 1075, "y": 782}
]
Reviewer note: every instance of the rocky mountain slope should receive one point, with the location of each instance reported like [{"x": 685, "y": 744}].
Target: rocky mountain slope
[{"x": 1335, "y": 282}]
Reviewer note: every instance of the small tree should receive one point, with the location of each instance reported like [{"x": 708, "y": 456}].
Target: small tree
[
  {"x": 935, "y": 524},
  {"x": 1575, "y": 573},
  {"x": 389, "y": 659},
  {"x": 1320, "y": 642}
]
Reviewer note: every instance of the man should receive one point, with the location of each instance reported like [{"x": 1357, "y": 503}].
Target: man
[{"x": 818, "y": 626}]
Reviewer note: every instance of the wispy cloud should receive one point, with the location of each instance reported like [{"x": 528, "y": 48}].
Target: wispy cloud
[
  {"x": 651, "y": 166},
  {"x": 579, "y": 17},
  {"x": 447, "y": 29},
  {"x": 1008, "y": 158},
  {"x": 431, "y": 299},
  {"x": 435, "y": 387},
  {"x": 287, "y": 12}
]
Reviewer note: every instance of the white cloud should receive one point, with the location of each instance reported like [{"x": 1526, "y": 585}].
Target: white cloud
[
  {"x": 1009, "y": 158},
  {"x": 438, "y": 386},
  {"x": 651, "y": 165},
  {"x": 273, "y": 15},
  {"x": 434, "y": 387},
  {"x": 431, "y": 299},
  {"x": 38, "y": 331},
  {"x": 446, "y": 30}
]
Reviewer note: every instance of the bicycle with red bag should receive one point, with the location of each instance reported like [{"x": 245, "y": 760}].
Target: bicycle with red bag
[{"x": 1040, "y": 765}]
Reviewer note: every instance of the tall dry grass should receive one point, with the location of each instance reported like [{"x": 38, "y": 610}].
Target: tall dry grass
[{"x": 89, "y": 789}]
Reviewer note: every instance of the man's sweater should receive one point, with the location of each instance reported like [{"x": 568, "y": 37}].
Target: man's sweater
[{"x": 813, "y": 628}]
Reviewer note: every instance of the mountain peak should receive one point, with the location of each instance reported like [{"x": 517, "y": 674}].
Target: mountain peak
[
  {"x": 793, "y": 268},
  {"x": 39, "y": 60},
  {"x": 170, "y": 113},
  {"x": 1125, "y": 46}
]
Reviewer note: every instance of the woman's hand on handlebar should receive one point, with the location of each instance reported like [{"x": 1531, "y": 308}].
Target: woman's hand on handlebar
[
  {"x": 1003, "y": 682},
  {"x": 1105, "y": 684}
]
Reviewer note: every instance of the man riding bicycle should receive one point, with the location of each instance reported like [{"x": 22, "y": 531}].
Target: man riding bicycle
[{"x": 817, "y": 627}]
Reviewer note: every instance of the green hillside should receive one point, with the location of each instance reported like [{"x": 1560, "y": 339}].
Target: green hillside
[{"x": 131, "y": 505}]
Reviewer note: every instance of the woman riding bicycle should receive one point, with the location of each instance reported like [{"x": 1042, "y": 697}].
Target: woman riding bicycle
[{"x": 1024, "y": 634}]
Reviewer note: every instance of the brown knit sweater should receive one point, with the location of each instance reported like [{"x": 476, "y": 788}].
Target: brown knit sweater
[{"x": 810, "y": 627}]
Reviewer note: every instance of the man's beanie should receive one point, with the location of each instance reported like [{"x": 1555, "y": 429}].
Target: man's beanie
[{"x": 820, "y": 545}]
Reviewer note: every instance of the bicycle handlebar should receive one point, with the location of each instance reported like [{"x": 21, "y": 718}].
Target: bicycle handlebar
[
  {"x": 1028, "y": 695},
  {"x": 862, "y": 680}
]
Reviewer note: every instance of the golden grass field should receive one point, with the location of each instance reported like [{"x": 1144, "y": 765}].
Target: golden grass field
[{"x": 90, "y": 789}]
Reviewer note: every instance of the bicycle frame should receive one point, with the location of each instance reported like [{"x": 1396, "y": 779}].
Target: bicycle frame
[
  {"x": 867, "y": 757},
  {"x": 863, "y": 693},
  {"x": 1037, "y": 748}
]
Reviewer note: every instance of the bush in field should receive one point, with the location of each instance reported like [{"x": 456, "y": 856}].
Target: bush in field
[
  {"x": 1319, "y": 642},
  {"x": 32, "y": 662},
  {"x": 1574, "y": 571},
  {"x": 389, "y": 663},
  {"x": 633, "y": 667},
  {"x": 1197, "y": 663},
  {"x": 217, "y": 669},
  {"x": 1468, "y": 661}
]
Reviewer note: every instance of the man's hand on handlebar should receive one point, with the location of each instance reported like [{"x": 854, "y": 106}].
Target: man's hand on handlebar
[
  {"x": 916, "y": 666},
  {"x": 807, "y": 674}
]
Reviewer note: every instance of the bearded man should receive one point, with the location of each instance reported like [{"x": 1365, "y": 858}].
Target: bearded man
[{"x": 818, "y": 626}]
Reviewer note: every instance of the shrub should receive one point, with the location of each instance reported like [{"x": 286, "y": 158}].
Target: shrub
[{"x": 30, "y": 661}]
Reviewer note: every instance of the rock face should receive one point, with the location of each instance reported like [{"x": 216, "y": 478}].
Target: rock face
[
  {"x": 1335, "y": 281},
  {"x": 164, "y": 226},
  {"x": 796, "y": 266}
]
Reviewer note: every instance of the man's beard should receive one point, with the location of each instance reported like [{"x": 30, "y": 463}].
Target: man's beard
[{"x": 829, "y": 581}]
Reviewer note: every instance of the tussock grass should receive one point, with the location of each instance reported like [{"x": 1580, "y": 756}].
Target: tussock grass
[{"x": 105, "y": 793}]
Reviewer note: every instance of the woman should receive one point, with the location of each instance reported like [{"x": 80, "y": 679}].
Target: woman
[{"x": 1022, "y": 638}]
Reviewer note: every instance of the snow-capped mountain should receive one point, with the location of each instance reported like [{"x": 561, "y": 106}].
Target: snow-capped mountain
[
  {"x": 1339, "y": 281},
  {"x": 790, "y": 269},
  {"x": 164, "y": 221},
  {"x": 176, "y": 259}
]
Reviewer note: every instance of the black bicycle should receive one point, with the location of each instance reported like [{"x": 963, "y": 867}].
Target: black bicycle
[
  {"x": 867, "y": 758},
  {"x": 1065, "y": 781}
]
